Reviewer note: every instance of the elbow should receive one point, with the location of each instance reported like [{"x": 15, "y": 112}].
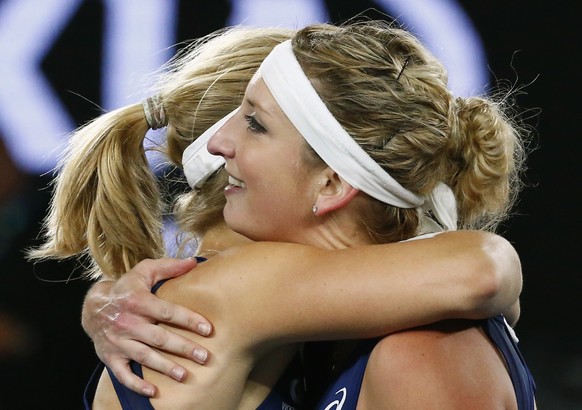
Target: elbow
[{"x": 500, "y": 276}]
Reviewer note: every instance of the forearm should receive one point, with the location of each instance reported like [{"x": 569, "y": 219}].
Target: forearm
[{"x": 455, "y": 275}]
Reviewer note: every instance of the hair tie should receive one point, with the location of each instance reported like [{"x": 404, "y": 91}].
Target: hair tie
[{"x": 153, "y": 109}]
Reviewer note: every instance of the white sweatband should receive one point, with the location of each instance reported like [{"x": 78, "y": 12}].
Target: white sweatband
[
  {"x": 197, "y": 162},
  {"x": 298, "y": 99}
]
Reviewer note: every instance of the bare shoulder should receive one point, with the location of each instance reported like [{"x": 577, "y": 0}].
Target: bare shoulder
[
  {"x": 248, "y": 259},
  {"x": 449, "y": 365},
  {"x": 239, "y": 268},
  {"x": 243, "y": 288}
]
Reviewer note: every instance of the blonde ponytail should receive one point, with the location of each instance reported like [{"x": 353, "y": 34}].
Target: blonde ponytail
[
  {"x": 105, "y": 203},
  {"x": 486, "y": 157}
]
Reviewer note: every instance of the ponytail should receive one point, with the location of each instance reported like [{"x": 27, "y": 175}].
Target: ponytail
[
  {"x": 106, "y": 203},
  {"x": 486, "y": 156}
]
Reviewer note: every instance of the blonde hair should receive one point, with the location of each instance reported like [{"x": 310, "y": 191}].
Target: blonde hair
[
  {"x": 391, "y": 95},
  {"x": 380, "y": 82},
  {"x": 107, "y": 204}
]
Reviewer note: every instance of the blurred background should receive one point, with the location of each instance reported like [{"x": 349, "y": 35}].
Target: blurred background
[{"x": 64, "y": 61}]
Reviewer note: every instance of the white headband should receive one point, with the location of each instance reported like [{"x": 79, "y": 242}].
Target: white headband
[
  {"x": 197, "y": 162},
  {"x": 294, "y": 93},
  {"x": 298, "y": 99}
]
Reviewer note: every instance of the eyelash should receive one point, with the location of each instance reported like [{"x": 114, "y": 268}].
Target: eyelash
[{"x": 254, "y": 126}]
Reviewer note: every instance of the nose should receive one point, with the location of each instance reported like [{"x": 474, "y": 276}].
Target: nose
[{"x": 221, "y": 143}]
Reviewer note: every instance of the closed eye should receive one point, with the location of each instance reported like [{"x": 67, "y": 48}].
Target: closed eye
[{"x": 253, "y": 125}]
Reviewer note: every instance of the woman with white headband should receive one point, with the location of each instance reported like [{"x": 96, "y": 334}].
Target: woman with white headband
[
  {"x": 236, "y": 289},
  {"x": 356, "y": 125}
]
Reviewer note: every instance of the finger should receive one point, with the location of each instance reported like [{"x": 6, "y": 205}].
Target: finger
[
  {"x": 149, "y": 358},
  {"x": 167, "y": 341},
  {"x": 159, "y": 310},
  {"x": 120, "y": 368},
  {"x": 154, "y": 270},
  {"x": 127, "y": 351}
]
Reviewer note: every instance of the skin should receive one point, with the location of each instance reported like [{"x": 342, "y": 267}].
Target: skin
[
  {"x": 259, "y": 343},
  {"x": 277, "y": 199},
  {"x": 260, "y": 355},
  {"x": 120, "y": 315},
  {"x": 420, "y": 360}
]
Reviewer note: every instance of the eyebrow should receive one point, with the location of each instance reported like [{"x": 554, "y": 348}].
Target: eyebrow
[
  {"x": 258, "y": 105},
  {"x": 252, "y": 103}
]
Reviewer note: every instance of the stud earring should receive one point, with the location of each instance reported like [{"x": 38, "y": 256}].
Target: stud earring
[{"x": 314, "y": 209}]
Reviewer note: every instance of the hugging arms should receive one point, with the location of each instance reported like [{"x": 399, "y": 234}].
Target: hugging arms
[{"x": 310, "y": 295}]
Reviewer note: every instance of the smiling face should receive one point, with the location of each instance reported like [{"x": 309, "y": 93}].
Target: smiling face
[{"x": 271, "y": 188}]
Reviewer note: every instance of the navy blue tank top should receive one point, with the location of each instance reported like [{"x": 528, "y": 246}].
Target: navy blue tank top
[{"x": 344, "y": 390}]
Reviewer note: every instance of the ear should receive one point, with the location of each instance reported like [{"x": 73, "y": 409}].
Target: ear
[{"x": 334, "y": 193}]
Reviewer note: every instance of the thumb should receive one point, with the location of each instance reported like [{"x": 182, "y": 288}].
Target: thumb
[{"x": 154, "y": 270}]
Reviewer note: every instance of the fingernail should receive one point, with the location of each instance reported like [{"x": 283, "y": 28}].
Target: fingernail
[
  {"x": 149, "y": 391},
  {"x": 200, "y": 355},
  {"x": 178, "y": 374},
  {"x": 204, "y": 329}
]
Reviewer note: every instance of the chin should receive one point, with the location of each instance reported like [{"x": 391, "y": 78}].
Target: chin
[{"x": 237, "y": 224}]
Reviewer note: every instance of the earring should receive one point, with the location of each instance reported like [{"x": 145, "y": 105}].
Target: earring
[{"x": 314, "y": 209}]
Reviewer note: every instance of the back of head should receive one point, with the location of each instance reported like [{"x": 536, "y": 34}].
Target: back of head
[{"x": 390, "y": 94}]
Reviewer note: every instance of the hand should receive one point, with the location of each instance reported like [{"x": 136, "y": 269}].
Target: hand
[{"x": 121, "y": 318}]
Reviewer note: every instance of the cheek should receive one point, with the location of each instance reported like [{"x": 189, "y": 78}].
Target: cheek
[
  {"x": 274, "y": 171},
  {"x": 280, "y": 192}
]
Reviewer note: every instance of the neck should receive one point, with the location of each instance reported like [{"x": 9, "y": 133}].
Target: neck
[{"x": 337, "y": 231}]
